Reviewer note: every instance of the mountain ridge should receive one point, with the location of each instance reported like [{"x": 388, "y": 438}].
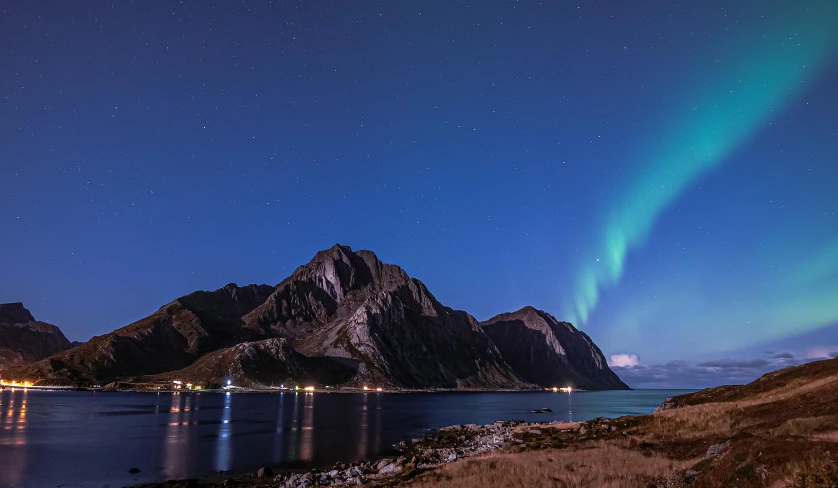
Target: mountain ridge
[{"x": 349, "y": 307}]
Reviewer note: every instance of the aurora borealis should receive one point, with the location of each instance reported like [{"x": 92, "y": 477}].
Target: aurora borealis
[
  {"x": 662, "y": 175},
  {"x": 749, "y": 85}
]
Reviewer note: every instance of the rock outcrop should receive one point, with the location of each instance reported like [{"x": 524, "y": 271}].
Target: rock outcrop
[
  {"x": 550, "y": 353},
  {"x": 24, "y": 340}
]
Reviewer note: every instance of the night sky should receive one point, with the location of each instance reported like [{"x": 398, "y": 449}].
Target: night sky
[{"x": 664, "y": 176}]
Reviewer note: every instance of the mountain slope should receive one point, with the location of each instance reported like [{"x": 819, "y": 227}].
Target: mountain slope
[
  {"x": 261, "y": 364},
  {"x": 550, "y": 353},
  {"x": 24, "y": 340},
  {"x": 169, "y": 339}
]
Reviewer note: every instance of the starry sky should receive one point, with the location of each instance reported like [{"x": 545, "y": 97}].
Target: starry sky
[{"x": 663, "y": 175}]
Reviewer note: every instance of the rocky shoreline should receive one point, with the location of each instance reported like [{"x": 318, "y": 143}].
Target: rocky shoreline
[
  {"x": 446, "y": 445},
  {"x": 440, "y": 447}
]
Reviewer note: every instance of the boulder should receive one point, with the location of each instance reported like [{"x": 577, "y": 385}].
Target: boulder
[
  {"x": 391, "y": 469},
  {"x": 716, "y": 449}
]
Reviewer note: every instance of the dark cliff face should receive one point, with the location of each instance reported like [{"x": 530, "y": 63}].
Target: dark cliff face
[
  {"x": 311, "y": 296},
  {"x": 386, "y": 325},
  {"x": 14, "y": 313},
  {"x": 397, "y": 334},
  {"x": 550, "y": 353},
  {"x": 24, "y": 340}
]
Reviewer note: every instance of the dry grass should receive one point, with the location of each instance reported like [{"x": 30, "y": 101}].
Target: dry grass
[
  {"x": 600, "y": 465},
  {"x": 809, "y": 426},
  {"x": 692, "y": 423},
  {"x": 816, "y": 472},
  {"x": 828, "y": 436},
  {"x": 559, "y": 427},
  {"x": 795, "y": 388}
]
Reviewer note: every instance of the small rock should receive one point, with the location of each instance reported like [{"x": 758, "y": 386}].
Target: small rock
[
  {"x": 332, "y": 473},
  {"x": 762, "y": 471},
  {"x": 265, "y": 472},
  {"x": 690, "y": 475},
  {"x": 716, "y": 449},
  {"x": 382, "y": 463},
  {"x": 134, "y": 470},
  {"x": 583, "y": 430},
  {"x": 391, "y": 469}
]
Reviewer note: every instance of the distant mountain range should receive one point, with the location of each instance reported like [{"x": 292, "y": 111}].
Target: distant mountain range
[{"x": 345, "y": 318}]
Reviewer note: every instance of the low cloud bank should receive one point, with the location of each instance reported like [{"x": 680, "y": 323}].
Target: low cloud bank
[{"x": 706, "y": 374}]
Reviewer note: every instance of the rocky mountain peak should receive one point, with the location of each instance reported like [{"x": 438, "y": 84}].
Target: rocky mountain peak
[
  {"x": 314, "y": 291},
  {"x": 548, "y": 352},
  {"x": 14, "y": 313}
]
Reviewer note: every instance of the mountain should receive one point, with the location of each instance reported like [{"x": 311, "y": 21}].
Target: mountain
[
  {"x": 386, "y": 325},
  {"x": 343, "y": 318},
  {"x": 169, "y": 339},
  {"x": 261, "y": 364},
  {"x": 550, "y": 353},
  {"x": 25, "y": 340}
]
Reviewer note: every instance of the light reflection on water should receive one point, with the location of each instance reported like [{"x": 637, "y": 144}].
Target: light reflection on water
[
  {"x": 93, "y": 439},
  {"x": 13, "y": 420},
  {"x": 223, "y": 452},
  {"x": 180, "y": 439},
  {"x": 307, "y": 441}
]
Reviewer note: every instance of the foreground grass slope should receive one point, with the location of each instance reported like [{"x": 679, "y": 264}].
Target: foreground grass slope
[{"x": 779, "y": 431}]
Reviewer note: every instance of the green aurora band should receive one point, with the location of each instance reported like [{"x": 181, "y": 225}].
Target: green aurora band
[{"x": 767, "y": 72}]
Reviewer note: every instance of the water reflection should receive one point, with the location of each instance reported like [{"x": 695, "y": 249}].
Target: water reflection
[
  {"x": 180, "y": 439},
  {"x": 363, "y": 438},
  {"x": 307, "y": 437},
  {"x": 13, "y": 419},
  {"x": 295, "y": 429},
  {"x": 570, "y": 407},
  {"x": 280, "y": 428},
  {"x": 223, "y": 454}
]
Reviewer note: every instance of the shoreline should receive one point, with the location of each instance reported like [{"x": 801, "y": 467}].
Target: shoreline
[
  {"x": 438, "y": 448},
  {"x": 287, "y": 390}
]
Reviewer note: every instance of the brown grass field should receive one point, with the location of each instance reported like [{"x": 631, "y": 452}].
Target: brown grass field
[{"x": 782, "y": 431}]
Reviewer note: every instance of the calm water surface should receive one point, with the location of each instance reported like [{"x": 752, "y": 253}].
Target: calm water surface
[{"x": 92, "y": 439}]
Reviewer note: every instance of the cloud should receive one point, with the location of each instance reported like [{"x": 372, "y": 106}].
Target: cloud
[
  {"x": 820, "y": 352},
  {"x": 623, "y": 361},
  {"x": 733, "y": 364},
  {"x": 691, "y": 375}
]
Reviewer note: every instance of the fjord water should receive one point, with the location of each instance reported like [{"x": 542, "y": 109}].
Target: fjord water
[{"x": 94, "y": 439}]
